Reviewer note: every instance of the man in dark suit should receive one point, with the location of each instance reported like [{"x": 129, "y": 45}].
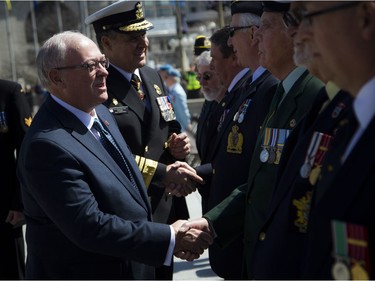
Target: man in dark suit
[
  {"x": 145, "y": 116},
  {"x": 86, "y": 206},
  {"x": 245, "y": 209},
  {"x": 15, "y": 119}
]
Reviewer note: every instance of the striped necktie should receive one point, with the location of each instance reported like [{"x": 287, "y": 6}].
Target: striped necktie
[
  {"x": 110, "y": 145},
  {"x": 136, "y": 83}
]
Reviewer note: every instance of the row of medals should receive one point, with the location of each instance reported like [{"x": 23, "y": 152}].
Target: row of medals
[
  {"x": 340, "y": 271},
  {"x": 270, "y": 155}
]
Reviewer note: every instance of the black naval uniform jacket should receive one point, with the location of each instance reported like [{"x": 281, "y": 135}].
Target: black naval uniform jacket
[
  {"x": 14, "y": 121},
  {"x": 146, "y": 133}
]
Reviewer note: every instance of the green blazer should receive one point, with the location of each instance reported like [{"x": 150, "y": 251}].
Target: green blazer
[{"x": 245, "y": 209}]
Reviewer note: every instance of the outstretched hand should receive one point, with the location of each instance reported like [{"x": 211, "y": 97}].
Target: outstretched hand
[
  {"x": 190, "y": 242},
  {"x": 181, "y": 179}
]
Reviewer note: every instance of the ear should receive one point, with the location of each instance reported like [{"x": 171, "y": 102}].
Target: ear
[
  {"x": 54, "y": 76},
  {"x": 367, "y": 20},
  {"x": 254, "y": 40},
  {"x": 106, "y": 43}
]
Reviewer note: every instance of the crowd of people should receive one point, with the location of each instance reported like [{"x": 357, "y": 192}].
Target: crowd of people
[{"x": 286, "y": 172}]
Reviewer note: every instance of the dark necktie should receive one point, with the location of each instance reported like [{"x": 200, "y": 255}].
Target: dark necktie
[
  {"x": 136, "y": 83},
  {"x": 333, "y": 159},
  {"x": 277, "y": 97},
  {"x": 110, "y": 145}
]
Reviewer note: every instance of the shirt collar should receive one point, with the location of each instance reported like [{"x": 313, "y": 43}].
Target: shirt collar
[
  {"x": 332, "y": 90},
  {"x": 257, "y": 73},
  {"x": 126, "y": 74},
  {"x": 237, "y": 78},
  {"x": 292, "y": 77},
  {"x": 84, "y": 117},
  {"x": 364, "y": 103}
]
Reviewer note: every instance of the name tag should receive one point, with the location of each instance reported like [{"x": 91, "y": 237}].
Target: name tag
[{"x": 119, "y": 109}]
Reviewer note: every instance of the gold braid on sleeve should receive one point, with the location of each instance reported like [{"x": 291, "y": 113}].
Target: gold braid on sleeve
[{"x": 147, "y": 168}]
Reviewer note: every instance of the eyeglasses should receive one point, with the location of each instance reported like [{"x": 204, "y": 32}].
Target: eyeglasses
[
  {"x": 205, "y": 76},
  {"x": 295, "y": 17},
  {"x": 233, "y": 29},
  {"x": 90, "y": 65}
]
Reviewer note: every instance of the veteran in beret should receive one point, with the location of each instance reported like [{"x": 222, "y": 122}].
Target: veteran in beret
[{"x": 137, "y": 99}]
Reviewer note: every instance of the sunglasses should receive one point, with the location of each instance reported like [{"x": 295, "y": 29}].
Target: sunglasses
[
  {"x": 205, "y": 76},
  {"x": 232, "y": 29}
]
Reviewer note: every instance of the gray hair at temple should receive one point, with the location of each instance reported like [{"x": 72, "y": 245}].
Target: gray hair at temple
[
  {"x": 204, "y": 58},
  {"x": 246, "y": 19},
  {"x": 52, "y": 53}
]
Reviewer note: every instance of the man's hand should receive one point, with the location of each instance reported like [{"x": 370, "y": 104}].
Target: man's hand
[
  {"x": 200, "y": 224},
  {"x": 180, "y": 179},
  {"x": 190, "y": 243},
  {"x": 179, "y": 145}
]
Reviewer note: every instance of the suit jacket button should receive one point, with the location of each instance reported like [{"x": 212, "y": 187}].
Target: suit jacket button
[
  {"x": 262, "y": 236},
  {"x": 213, "y": 171},
  {"x": 146, "y": 148}
]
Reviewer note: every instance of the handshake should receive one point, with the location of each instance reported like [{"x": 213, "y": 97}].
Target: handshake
[
  {"x": 181, "y": 179},
  {"x": 192, "y": 238}
]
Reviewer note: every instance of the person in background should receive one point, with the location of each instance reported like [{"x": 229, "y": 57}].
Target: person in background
[
  {"x": 86, "y": 206},
  {"x": 138, "y": 101},
  {"x": 177, "y": 95},
  {"x": 213, "y": 91},
  {"x": 193, "y": 87},
  {"x": 15, "y": 119},
  {"x": 201, "y": 44}
]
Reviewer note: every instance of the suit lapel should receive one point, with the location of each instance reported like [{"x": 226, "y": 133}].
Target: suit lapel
[
  {"x": 289, "y": 104},
  {"x": 81, "y": 134}
]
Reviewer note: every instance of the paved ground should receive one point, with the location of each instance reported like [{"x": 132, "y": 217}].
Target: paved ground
[{"x": 200, "y": 268}]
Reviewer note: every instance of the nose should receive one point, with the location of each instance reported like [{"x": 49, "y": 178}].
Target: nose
[{"x": 102, "y": 70}]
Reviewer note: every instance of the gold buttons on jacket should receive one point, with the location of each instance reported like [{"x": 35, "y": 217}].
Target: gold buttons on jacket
[
  {"x": 262, "y": 236},
  {"x": 146, "y": 148}
]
